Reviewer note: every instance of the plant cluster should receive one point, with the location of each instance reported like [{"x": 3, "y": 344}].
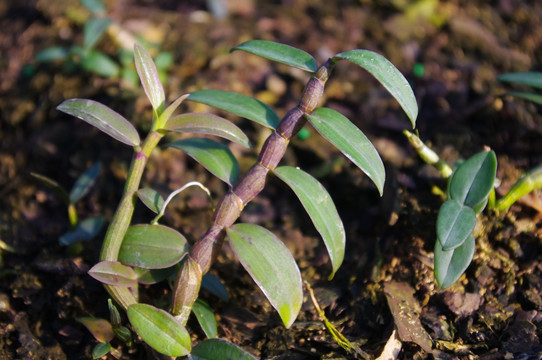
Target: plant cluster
[{"x": 148, "y": 253}]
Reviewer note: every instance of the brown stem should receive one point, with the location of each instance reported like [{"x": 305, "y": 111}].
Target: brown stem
[{"x": 205, "y": 251}]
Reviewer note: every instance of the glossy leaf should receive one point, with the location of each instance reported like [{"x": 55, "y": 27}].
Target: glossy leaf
[
  {"x": 529, "y": 78},
  {"x": 214, "y": 156},
  {"x": 215, "y": 286},
  {"x": 151, "y": 199},
  {"x": 218, "y": 349},
  {"x": 208, "y": 124},
  {"x": 101, "y": 329},
  {"x": 114, "y": 273},
  {"x": 153, "y": 276},
  {"x": 206, "y": 318},
  {"x": 84, "y": 183},
  {"x": 321, "y": 209},
  {"x": 472, "y": 181},
  {"x": 241, "y": 105},
  {"x": 85, "y": 230},
  {"x": 149, "y": 78},
  {"x": 339, "y": 131},
  {"x": 388, "y": 75},
  {"x": 451, "y": 264},
  {"x": 103, "y": 118},
  {"x": 93, "y": 30},
  {"x": 282, "y": 53},
  {"x": 100, "y": 64},
  {"x": 271, "y": 266},
  {"x": 159, "y": 329},
  {"x": 455, "y": 223},
  {"x": 536, "y": 98},
  {"x": 53, "y": 185},
  {"x": 152, "y": 246},
  {"x": 100, "y": 350}
]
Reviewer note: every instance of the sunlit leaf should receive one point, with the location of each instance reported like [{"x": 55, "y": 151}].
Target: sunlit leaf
[
  {"x": 455, "y": 223},
  {"x": 388, "y": 75},
  {"x": 321, "y": 209},
  {"x": 473, "y": 180},
  {"x": 339, "y": 131},
  {"x": 101, "y": 329},
  {"x": 100, "y": 64},
  {"x": 103, "y": 118},
  {"x": 215, "y": 286},
  {"x": 168, "y": 112},
  {"x": 209, "y": 124},
  {"x": 114, "y": 273},
  {"x": 85, "y": 230},
  {"x": 241, "y": 105},
  {"x": 206, "y": 318},
  {"x": 93, "y": 30},
  {"x": 218, "y": 349},
  {"x": 530, "y": 78},
  {"x": 84, "y": 183},
  {"x": 536, "y": 98},
  {"x": 284, "y": 54},
  {"x": 214, "y": 156},
  {"x": 159, "y": 329},
  {"x": 451, "y": 264},
  {"x": 152, "y": 246},
  {"x": 151, "y": 199},
  {"x": 271, "y": 266},
  {"x": 149, "y": 78}
]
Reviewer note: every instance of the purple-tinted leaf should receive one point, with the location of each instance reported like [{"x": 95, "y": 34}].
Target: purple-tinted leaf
[
  {"x": 114, "y": 273},
  {"x": 149, "y": 78}
]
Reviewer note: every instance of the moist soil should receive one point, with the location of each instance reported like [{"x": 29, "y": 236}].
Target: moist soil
[{"x": 450, "y": 51}]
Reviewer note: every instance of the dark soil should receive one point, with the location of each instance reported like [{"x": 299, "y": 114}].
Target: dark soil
[{"x": 493, "y": 312}]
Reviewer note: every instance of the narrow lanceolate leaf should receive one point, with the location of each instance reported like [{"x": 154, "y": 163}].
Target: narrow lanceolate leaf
[
  {"x": 149, "y": 78},
  {"x": 159, "y": 329},
  {"x": 218, "y": 349},
  {"x": 168, "y": 112},
  {"x": 320, "y": 207},
  {"x": 208, "y": 124},
  {"x": 151, "y": 199},
  {"x": 455, "y": 223},
  {"x": 213, "y": 285},
  {"x": 451, "y": 264},
  {"x": 102, "y": 117},
  {"x": 388, "y": 75},
  {"x": 529, "y": 78},
  {"x": 339, "y": 131},
  {"x": 241, "y": 105},
  {"x": 114, "y": 273},
  {"x": 101, "y": 329},
  {"x": 214, "y": 156},
  {"x": 271, "y": 266},
  {"x": 84, "y": 183},
  {"x": 206, "y": 318},
  {"x": 473, "y": 180},
  {"x": 152, "y": 246},
  {"x": 53, "y": 185},
  {"x": 282, "y": 53},
  {"x": 536, "y": 98}
]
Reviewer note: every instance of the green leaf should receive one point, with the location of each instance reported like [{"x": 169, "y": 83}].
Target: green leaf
[
  {"x": 151, "y": 199},
  {"x": 149, "y": 78},
  {"x": 241, "y": 105},
  {"x": 213, "y": 284},
  {"x": 94, "y": 6},
  {"x": 53, "y": 185},
  {"x": 153, "y": 276},
  {"x": 206, "y": 318},
  {"x": 455, "y": 223},
  {"x": 114, "y": 273},
  {"x": 84, "y": 183},
  {"x": 320, "y": 207},
  {"x": 284, "y": 54},
  {"x": 166, "y": 114},
  {"x": 451, "y": 264},
  {"x": 100, "y": 350},
  {"x": 100, "y": 64},
  {"x": 388, "y": 75},
  {"x": 101, "y": 329},
  {"x": 102, "y": 117},
  {"x": 214, "y": 156},
  {"x": 208, "y": 124},
  {"x": 159, "y": 329},
  {"x": 271, "y": 266},
  {"x": 152, "y": 246},
  {"x": 218, "y": 349},
  {"x": 85, "y": 230},
  {"x": 338, "y": 130},
  {"x": 536, "y": 98},
  {"x": 93, "y": 30},
  {"x": 51, "y": 54},
  {"x": 472, "y": 181},
  {"x": 529, "y": 78}
]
